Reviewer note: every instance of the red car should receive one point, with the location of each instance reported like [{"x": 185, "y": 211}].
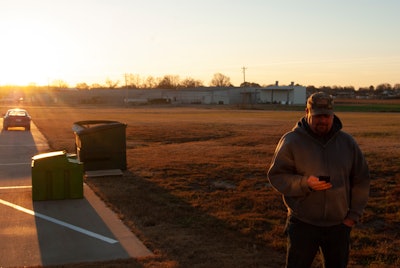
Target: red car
[{"x": 17, "y": 118}]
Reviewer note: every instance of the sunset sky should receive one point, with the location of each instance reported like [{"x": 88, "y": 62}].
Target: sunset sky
[{"x": 310, "y": 42}]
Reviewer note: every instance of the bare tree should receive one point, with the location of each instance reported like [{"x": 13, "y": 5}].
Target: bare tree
[
  {"x": 169, "y": 82},
  {"x": 220, "y": 80},
  {"x": 82, "y": 86},
  {"x": 111, "y": 84},
  {"x": 149, "y": 82},
  {"x": 132, "y": 80},
  {"x": 60, "y": 84},
  {"x": 249, "y": 84},
  {"x": 382, "y": 87},
  {"x": 191, "y": 83},
  {"x": 96, "y": 85}
]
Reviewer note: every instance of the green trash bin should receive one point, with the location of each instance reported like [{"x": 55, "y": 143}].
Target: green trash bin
[
  {"x": 101, "y": 144},
  {"x": 56, "y": 175}
]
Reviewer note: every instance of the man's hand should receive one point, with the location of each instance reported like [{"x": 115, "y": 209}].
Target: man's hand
[
  {"x": 349, "y": 222},
  {"x": 315, "y": 184}
]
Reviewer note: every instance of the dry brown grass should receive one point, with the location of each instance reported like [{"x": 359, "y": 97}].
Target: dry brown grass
[{"x": 196, "y": 190}]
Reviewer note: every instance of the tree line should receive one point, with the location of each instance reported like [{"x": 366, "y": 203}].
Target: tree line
[
  {"x": 381, "y": 90},
  {"x": 135, "y": 81}
]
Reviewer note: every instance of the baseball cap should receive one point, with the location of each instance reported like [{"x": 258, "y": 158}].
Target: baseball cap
[{"x": 320, "y": 103}]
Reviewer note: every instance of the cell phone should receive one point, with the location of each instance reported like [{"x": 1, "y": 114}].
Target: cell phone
[{"x": 325, "y": 178}]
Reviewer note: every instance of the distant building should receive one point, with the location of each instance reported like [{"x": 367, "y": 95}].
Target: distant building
[
  {"x": 283, "y": 94},
  {"x": 289, "y": 95}
]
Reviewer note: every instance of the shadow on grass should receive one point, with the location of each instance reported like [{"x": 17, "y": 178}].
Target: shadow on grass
[{"x": 179, "y": 234}]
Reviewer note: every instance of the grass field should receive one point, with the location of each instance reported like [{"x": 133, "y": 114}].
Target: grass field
[{"x": 196, "y": 193}]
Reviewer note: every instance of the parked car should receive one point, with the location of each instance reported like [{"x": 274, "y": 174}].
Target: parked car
[{"x": 16, "y": 118}]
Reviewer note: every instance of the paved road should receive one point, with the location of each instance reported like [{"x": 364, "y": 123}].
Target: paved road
[{"x": 52, "y": 232}]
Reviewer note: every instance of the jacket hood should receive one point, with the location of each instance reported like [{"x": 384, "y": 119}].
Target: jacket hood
[{"x": 303, "y": 126}]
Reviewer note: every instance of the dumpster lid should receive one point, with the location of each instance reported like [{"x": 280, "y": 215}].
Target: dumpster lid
[
  {"x": 47, "y": 155},
  {"x": 94, "y": 125}
]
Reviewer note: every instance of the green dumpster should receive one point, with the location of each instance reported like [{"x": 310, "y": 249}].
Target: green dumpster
[
  {"x": 101, "y": 144},
  {"x": 56, "y": 175}
]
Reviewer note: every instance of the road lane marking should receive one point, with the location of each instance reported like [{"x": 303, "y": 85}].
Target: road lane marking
[
  {"x": 25, "y": 145},
  {"x": 15, "y": 187},
  {"x": 62, "y": 223},
  {"x": 15, "y": 164}
]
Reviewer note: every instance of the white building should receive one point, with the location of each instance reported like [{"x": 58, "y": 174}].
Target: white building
[
  {"x": 283, "y": 94},
  {"x": 291, "y": 94}
]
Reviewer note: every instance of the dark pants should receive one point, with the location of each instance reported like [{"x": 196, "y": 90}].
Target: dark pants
[{"x": 304, "y": 241}]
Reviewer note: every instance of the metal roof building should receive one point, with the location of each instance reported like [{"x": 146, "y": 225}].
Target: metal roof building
[
  {"x": 291, "y": 94},
  {"x": 283, "y": 94}
]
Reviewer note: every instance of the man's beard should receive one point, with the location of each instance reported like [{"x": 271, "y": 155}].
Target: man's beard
[{"x": 322, "y": 129}]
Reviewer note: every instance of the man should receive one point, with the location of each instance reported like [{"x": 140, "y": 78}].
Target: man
[{"x": 324, "y": 180}]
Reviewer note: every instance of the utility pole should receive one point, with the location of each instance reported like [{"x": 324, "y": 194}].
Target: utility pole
[
  {"x": 126, "y": 79},
  {"x": 126, "y": 87},
  {"x": 244, "y": 74}
]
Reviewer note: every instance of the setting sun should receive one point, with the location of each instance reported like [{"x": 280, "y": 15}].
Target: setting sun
[{"x": 28, "y": 52}]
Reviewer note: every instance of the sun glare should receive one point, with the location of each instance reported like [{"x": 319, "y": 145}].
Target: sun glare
[{"x": 28, "y": 54}]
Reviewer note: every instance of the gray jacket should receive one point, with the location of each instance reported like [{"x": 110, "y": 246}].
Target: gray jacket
[{"x": 300, "y": 154}]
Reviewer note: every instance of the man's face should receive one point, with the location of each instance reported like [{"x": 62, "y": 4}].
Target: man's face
[{"x": 319, "y": 124}]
